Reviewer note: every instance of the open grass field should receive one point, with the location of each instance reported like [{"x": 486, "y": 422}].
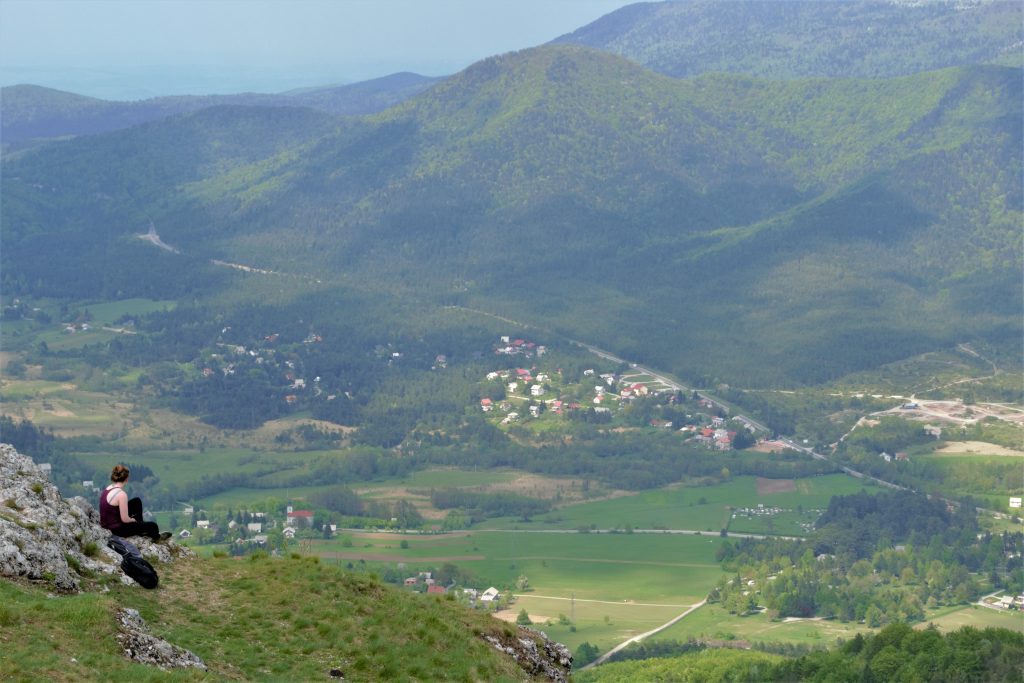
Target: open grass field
[
  {"x": 601, "y": 623},
  {"x": 978, "y": 617},
  {"x": 639, "y": 581},
  {"x": 712, "y": 622},
  {"x": 697, "y": 508},
  {"x": 63, "y": 407},
  {"x": 108, "y": 312}
]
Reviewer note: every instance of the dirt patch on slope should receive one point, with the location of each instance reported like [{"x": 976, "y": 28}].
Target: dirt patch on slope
[
  {"x": 767, "y": 486},
  {"x": 979, "y": 448}
]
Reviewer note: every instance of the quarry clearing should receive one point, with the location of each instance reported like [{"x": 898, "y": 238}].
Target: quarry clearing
[
  {"x": 958, "y": 412},
  {"x": 979, "y": 448}
]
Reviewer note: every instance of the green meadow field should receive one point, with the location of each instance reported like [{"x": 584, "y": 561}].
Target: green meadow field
[
  {"x": 978, "y": 617},
  {"x": 704, "y": 508},
  {"x": 637, "y": 581},
  {"x": 712, "y": 622}
]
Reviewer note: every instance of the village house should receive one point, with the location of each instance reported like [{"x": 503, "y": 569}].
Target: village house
[
  {"x": 255, "y": 527},
  {"x": 537, "y": 390},
  {"x": 485, "y": 405},
  {"x": 289, "y": 532},
  {"x": 490, "y": 595},
  {"x": 202, "y": 524},
  {"x": 297, "y": 518}
]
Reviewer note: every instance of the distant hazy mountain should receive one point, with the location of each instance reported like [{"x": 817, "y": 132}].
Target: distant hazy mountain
[
  {"x": 365, "y": 97},
  {"x": 756, "y": 231},
  {"x": 30, "y": 112},
  {"x": 808, "y": 38}
]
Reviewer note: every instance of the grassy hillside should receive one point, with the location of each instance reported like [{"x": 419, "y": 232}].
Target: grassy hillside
[
  {"x": 801, "y": 38},
  {"x": 766, "y": 233},
  {"x": 257, "y": 619}
]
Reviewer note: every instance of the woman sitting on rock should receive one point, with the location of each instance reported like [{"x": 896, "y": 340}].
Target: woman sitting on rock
[{"x": 121, "y": 516}]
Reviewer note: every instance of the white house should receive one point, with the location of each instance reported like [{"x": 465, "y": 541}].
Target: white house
[
  {"x": 536, "y": 390},
  {"x": 490, "y": 595},
  {"x": 1015, "y": 501},
  {"x": 202, "y": 524},
  {"x": 255, "y": 527}
]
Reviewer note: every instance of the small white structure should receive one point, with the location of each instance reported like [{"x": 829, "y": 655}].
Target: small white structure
[
  {"x": 1015, "y": 501},
  {"x": 202, "y": 524},
  {"x": 490, "y": 595},
  {"x": 537, "y": 390},
  {"x": 255, "y": 527}
]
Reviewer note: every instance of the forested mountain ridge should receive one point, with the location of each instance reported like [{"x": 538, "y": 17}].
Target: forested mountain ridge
[
  {"x": 766, "y": 231},
  {"x": 788, "y": 39},
  {"x": 32, "y": 113}
]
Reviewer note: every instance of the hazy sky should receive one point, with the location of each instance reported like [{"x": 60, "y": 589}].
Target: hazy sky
[{"x": 138, "y": 48}]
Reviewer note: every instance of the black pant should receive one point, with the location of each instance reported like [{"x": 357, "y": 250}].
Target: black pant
[{"x": 137, "y": 528}]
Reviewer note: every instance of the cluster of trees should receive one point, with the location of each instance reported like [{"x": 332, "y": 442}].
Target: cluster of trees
[
  {"x": 896, "y": 653},
  {"x": 877, "y": 558},
  {"x": 480, "y": 506},
  {"x": 900, "y": 653}
]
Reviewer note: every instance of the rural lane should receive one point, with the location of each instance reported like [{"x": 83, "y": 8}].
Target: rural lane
[{"x": 636, "y": 639}]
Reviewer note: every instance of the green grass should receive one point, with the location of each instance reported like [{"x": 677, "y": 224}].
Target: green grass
[
  {"x": 649, "y": 567},
  {"x": 269, "y": 619},
  {"x": 624, "y": 620},
  {"x": 712, "y": 622},
  {"x": 438, "y": 478},
  {"x": 709, "y": 665},
  {"x": 681, "y": 507},
  {"x": 107, "y": 313},
  {"x": 639, "y": 581},
  {"x": 184, "y": 466},
  {"x": 22, "y": 389},
  {"x": 978, "y": 617}
]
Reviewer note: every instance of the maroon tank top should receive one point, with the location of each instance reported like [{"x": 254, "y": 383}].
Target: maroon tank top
[{"x": 110, "y": 515}]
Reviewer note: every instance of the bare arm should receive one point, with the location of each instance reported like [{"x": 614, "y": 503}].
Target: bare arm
[{"x": 121, "y": 501}]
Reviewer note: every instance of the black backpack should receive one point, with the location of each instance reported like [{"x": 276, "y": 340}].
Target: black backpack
[{"x": 133, "y": 563}]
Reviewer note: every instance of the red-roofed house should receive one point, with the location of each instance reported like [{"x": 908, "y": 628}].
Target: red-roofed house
[
  {"x": 298, "y": 518},
  {"x": 435, "y": 589}
]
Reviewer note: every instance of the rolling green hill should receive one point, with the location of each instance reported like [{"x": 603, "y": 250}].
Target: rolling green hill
[
  {"x": 803, "y": 38},
  {"x": 724, "y": 227}
]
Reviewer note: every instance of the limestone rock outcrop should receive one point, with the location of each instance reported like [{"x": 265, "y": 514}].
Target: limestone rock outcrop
[
  {"x": 138, "y": 645},
  {"x": 44, "y": 537},
  {"x": 535, "y": 653}
]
